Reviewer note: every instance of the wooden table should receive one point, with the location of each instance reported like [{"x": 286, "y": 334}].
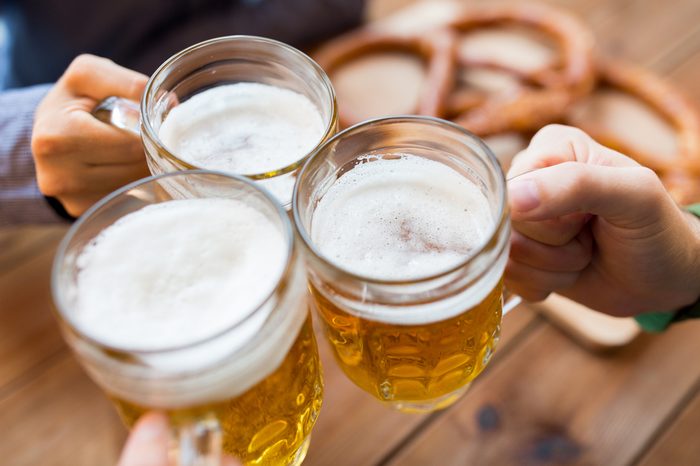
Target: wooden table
[{"x": 542, "y": 401}]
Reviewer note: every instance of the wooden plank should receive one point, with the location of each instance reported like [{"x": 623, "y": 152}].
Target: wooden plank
[
  {"x": 60, "y": 418},
  {"x": 551, "y": 402},
  {"x": 31, "y": 349},
  {"x": 28, "y": 332},
  {"x": 644, "y": 30},
  {"x": 17, "y": 245},
  {"x": 355, "y": 429},
  {"x": 679, "y": 444}
]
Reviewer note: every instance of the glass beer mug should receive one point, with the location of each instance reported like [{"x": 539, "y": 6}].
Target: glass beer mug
[
  {"x": 218, "y": 62},
  {"x": 251, "y": 388},
  {"x": 406, "y": 228}
]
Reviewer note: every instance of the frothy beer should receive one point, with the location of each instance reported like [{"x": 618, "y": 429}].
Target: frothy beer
[
  {"x": 185, "y": 286},
  {"x": 404, "y": 218},
  {"x": 245, "y": 128},
  {"x": 400, "y": 218}
]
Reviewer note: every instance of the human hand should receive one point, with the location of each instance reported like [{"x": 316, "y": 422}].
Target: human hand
[
  {"x": 147, "y": 444},
  {"x": 597, "y": 227},
  {"x": 78, "y": 158}
]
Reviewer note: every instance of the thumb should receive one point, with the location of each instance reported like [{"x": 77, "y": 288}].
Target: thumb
[
  {"x": 98, "y": 78},
  {"x": 621, "y": 195},
  {"x": 148, "y": 442}
]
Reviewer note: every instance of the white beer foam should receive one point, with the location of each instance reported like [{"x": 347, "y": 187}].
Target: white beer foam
[
  {"x": 401, "y": 218},
  {"x": 177, "y": 272},
  {"x": 245, "y": 128},
  {"x": 173, "y": 274}
]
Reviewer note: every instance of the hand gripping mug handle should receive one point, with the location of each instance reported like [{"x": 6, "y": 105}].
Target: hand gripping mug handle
[
  {"x": 199, "y": 443},
  {"x": 119, "y": 112}
]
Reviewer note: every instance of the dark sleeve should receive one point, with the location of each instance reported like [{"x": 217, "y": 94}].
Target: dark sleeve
[
  {"x": 297, "y": 22},
  {"x": 20, "y": 199}
]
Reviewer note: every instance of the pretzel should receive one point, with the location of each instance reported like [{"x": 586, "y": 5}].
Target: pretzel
[
  {"x": 680, "y": 173},
  {"x": 437, "y": 51},
  {"x": 543, "y": 96},
  {"x": 546, "y": 93}
]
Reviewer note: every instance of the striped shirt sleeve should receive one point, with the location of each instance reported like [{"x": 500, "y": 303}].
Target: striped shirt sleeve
[{"x": 20, "y": 199}]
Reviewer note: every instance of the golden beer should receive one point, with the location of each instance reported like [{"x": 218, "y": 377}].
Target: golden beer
[
  {"x": 406, "y": 229},
  {"x": 271, "y": 422},
  {"x": 185, "y": 293},
  {"x": 414, "y": 364}
]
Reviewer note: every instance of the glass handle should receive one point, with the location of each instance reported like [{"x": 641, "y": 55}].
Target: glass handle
[
  {"x": 510, "y": 301},
  {"x": 122, "y": 113},
  {"x": 198, "y": 443}
]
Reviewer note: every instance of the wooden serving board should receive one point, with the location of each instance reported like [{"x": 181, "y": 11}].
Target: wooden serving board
[{"x": 594, "y": 330}]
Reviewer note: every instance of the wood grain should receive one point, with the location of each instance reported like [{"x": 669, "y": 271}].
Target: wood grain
[
  {"x": 350, "y": 418},
  {"x": 551, "y": 402},
  {"x": 28, "y": 331},
  {"x": 679, "y": 444},
  {"x": 18, "y": 245},
  {"x": 59, "y": 418},
  {"x": 543, "y": 400}
]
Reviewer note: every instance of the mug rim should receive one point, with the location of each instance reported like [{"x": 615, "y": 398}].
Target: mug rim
[
  {"x": 492, "y": 163},
  {"x": 61, "y": 309},
  {"x": 153, "y": 136}
]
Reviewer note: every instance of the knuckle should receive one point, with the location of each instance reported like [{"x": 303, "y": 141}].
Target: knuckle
[
  {"x": 557, "y": 131},
  {"x": 74, "y": 210},
  {"x": 82, "y": 68},
  {"x": 51, "y": 184},
  {"x": 45, "y": 145},
  {"x": 653, "y": 187},
  {"x": 581, "y": 257},
  {"x": 518, "y": 245},
  {"x": 579, "y": 180},
  {"x": 647, "y": 175}
]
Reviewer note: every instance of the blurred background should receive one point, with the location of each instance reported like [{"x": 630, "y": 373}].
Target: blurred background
[{"x": 567, "y": 386}]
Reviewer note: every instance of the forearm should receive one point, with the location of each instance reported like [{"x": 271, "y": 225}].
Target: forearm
[{"x": 20, "y": 199}]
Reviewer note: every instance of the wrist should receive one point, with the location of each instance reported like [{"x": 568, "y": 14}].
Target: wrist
[{"x": 658, "y": 321}]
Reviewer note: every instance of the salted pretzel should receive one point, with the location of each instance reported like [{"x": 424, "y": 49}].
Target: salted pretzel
[
  {"x": 680, "y": 172},
  {"x": 436, "y": 51},
  {"x": 543, "y": 97},
  {"x": 546, "y": 93}
]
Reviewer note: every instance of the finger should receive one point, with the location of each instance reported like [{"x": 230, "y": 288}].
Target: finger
[
  {"x": 555, "y": 144},
  {"x": 621, "y": 195},
  {"x": 99, "y": 78},
  {"x": 555, "y": 232},
  {"x": 77, "y": 135},
  {"x": 110, "y": 177},
  {"x": 147, "y": 444},
  {"x": 574, "y": 256},
  {"x": 528, "y": 294},
  {"x": 521, "y": 277},
  {"x": 102, "y": 180},
  {"x": 79, "y": 187}
]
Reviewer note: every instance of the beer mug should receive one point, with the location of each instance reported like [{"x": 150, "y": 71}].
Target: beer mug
[
  {"x": 409, "y": 322},
  {"x": 251, "y": 388},
  {"x": 215, "y": 63}
]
